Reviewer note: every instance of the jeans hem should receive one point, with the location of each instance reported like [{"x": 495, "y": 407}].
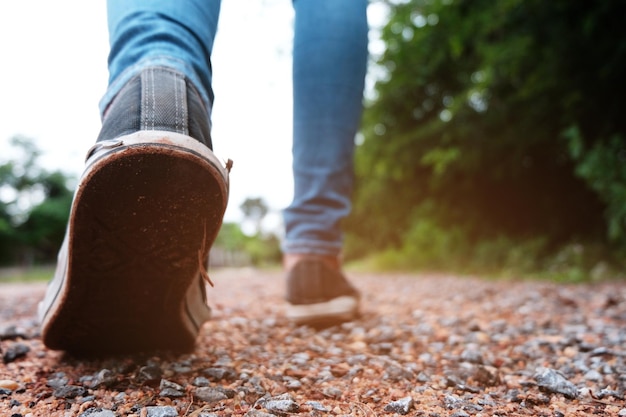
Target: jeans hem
[{"x": 308, "y": 247}]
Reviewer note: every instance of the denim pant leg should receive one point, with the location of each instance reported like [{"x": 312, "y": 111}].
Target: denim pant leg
[
  {"x": 329, "y": 65},
  {"x": 176, "y": 34}
]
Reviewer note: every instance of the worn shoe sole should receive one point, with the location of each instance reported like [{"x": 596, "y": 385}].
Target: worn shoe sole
[
  {"x": 143, "y": 219},
  {"x": 337, "y": 310}
]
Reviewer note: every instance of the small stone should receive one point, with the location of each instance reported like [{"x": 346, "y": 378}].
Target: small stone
[
  {"x": 222, "y": 373},
  {"x": 15, "y": 351},
  {"x": 552, "y": 381},
  {"x": 452, "y": 401},
  {"x": 69, "y": 391},
  {"x": 472, "y": 356},
  {"x": 87, "y": 399},
  {"x": 97, "y": 412},
  {"x": 228, "y": 392},
  {"x": 181, "y": 368},
  {"x": 149, "y": 373},
  {"x": 12, "y": 332},
  {"x": 332, "y": 392},
  {"x": 293, "y": 384},
  {"x": 593, "y": 375},
  {"x": 58, "y": 380},
  {"x": 486, "y": 375},
  {"x": 8, "y": 384},
  {"x": 104, "y": 378},
  {"x": 201, "y": 381},
  {"x": 209, "y": 395},
  {"x": 281, "y": 404},
  {"x": 401, "y": 406},
  {"x": 171, "y": 389},
  {"x": 317, "y": 406},
  {"x": 423, "y": 377},
  {"x": 169, "y": 384},
  {"x": 606, "y": 392},
  {"x": 161, "y": 411},
  {"x": 396, "y": 374}
]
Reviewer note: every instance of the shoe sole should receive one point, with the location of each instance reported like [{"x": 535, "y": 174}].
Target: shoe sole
[
  {"x": 142, "y": 222},
  {"x": 337, "y": 310}
]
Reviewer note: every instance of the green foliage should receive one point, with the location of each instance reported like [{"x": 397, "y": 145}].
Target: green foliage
[
  {"x": 464, "y": 139},
  {"x": 603, "y": 167},
  {"x": 241, "y": 249},
  {"x": 34, "y": 206}
]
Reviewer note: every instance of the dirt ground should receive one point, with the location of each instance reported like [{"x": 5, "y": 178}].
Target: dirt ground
[{"x": 425, "y": 345}]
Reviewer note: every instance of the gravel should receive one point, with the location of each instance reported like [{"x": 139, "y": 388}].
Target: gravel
[{"x": 427, "y": 345}]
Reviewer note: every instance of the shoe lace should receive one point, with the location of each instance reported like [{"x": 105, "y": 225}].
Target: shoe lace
[{"x": 202, "y": 264}]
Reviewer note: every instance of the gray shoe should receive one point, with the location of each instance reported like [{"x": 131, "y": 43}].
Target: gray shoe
[{"x": 131, "y": 272}]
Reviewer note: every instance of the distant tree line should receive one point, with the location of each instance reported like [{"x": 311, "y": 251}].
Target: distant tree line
[
  {"x": 34, "y": 206},
  {"x": 494, "y": 126}
]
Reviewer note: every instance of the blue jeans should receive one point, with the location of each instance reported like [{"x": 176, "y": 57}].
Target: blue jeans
[{"x": 329, "y": 65}]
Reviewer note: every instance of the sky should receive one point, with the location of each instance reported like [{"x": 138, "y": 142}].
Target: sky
[{"x": 54, "y": 73}]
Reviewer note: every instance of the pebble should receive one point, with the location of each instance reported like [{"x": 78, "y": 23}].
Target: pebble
[
  {"x": 401, "y": 406},
  {"x": 15, "y": 351},
  {"x": 149, "y": 373},
  {"x": 171, "y": 389},
  {"x": 281, "y": 404},
  {"x": 201, "y": 381},
  {"x": 57, "y": 380},
  {"x": 161, "y": 411},
  {"x": 219, "y": 374},
  {"x": 12, "y": 332},
  {"x": 97, "y": 412},
  {"x": 554, "y": 382},
  {"x": 332, "y": 392},
  {"x": 8, "y": 384},
  {"x": 69, "y": 391},
  {"x": 209, "y": 395},
  {"x": 317, "y": 406},
  {"x": 104, "y": 378}
]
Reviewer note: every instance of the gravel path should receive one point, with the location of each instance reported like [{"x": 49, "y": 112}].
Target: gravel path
[{"x": 426, "y": 345}]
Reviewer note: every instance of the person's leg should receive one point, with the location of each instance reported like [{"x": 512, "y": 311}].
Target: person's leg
[
  {"x": 329, "y": 66},
  {"x": 131, "y": 273},
  {"x": 161, "y": 33}
]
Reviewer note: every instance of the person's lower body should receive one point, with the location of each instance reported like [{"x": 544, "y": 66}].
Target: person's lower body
[
  {"x": 131, "y": 273},
  {"x": 329, "y": 65}
]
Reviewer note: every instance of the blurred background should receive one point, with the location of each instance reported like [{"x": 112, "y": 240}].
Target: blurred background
[{"x": 493, "y": 138}]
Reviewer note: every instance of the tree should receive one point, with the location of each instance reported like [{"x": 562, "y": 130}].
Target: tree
[
  {"x": 254, "y": 211},
  {"x": 34, "y": 206},
  {"x": 468, "y": 129}
]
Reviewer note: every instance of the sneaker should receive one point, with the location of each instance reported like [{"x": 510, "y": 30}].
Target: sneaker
[
  {"x": 131, "y": 272},
  {"x": 319, "y": 294}
]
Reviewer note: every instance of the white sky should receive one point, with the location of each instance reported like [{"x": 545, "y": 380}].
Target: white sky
[{"x": 53, "y": 74}]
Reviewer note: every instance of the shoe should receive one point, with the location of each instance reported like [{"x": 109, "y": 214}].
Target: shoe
[
  {"x": 131, "y": 272},
  {"x": 319, "y": 294}
]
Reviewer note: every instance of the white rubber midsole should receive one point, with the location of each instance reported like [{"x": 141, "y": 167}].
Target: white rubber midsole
[{"x": 340, "y": 307}]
